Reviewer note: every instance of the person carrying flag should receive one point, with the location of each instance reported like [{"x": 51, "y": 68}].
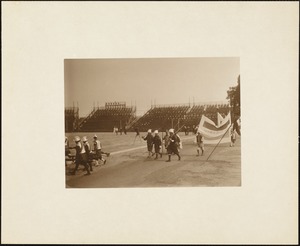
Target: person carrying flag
[{"x": 200, "y": 144}]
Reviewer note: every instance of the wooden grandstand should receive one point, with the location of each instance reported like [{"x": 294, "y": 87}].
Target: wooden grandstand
[
  {"x": 104, "y": 119},
  {"x": 158, "y": 117},
  {"x": 71, "y": 119}
]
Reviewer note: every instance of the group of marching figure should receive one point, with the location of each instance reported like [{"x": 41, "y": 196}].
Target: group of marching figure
[
  {"x": 84, "y": 155},
  {"x": 172, "y": 143}
]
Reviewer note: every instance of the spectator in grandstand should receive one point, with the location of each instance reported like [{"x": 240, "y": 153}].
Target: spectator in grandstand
[
  {"x": 200, "y": 144},
  {"x": 87, "y": 148},
  {"x": 233, "y": 137},
  {"x": 193, "y": 129},
  {"x": 98, "y": 151},
  {"x": 173, "y": 145},
  {"x": 137, "y": 134},
  {"x": 157, "y": 144},
  {"x": 80, "y": 157},
  {"x": 149, "y": 139}
]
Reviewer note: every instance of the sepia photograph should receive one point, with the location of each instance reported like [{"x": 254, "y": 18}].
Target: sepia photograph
[
  {"x": 159, "y": 122},
  {"x": 180, "y": 122}
]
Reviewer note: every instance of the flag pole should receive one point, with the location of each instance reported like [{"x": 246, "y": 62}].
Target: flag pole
[
  {"x": 218, "y": 143},
  {"x": 179, "y": 129}
]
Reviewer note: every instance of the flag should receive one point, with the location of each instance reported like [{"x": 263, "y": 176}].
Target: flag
[
  {"x": 220, "y": 119},
  {"x": 213, "y": 133}
]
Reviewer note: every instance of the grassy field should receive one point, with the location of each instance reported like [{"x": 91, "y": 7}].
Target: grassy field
[{"x": 128, "y": 165}]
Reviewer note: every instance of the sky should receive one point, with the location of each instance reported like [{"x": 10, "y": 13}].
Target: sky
[{"x": 147, "y": 81}]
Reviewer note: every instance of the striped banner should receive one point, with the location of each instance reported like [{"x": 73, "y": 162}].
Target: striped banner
[
  {"x": 212, "y": 133},
  {"x": 220, "y": 118}
]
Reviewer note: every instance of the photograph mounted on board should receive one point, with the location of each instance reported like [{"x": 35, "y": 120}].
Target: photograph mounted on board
[{"x": 152, "y": 122}]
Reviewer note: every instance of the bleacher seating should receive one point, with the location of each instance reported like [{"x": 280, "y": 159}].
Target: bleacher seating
[
  {"x": 194, "y": 115},
  {"x": 105, "y": 119},
  {"x": 71, "y": 119},
  {"x": 162, "y": 118},
  {"x": 158, "y": 117}
]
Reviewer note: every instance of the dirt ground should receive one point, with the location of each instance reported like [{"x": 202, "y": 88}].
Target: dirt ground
[{"x": 128, "y": 165}]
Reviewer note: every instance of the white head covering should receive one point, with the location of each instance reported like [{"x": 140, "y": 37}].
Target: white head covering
[
  {"x": 156, "y": 132},
  {"x": 95, "y": 136},
  {"x": 84, "y": 139},
  {"x": 149, "y": 131},
  {"x": 171, "y": 130},
  {"x": 77, "y": 139}
]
